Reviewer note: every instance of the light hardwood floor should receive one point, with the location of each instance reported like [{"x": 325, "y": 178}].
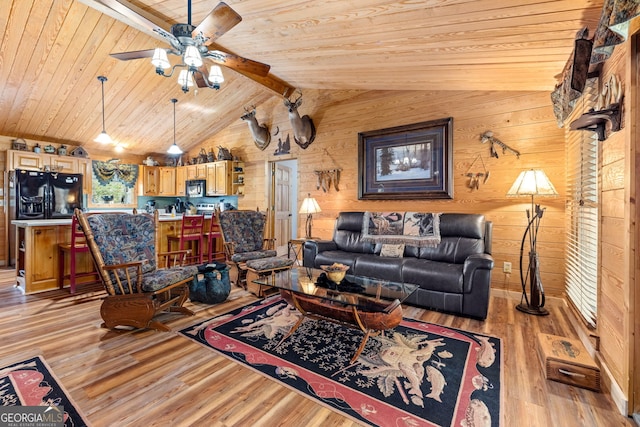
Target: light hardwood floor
[{"x": 161, "y": 379}]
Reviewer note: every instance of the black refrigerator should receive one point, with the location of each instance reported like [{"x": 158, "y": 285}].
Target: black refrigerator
[
  {"x": 41, "y": 195},
  {"x": 47, "y": 195}
]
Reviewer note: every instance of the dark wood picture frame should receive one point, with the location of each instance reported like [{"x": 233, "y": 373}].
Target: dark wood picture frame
[{"x": 407, "y": 162}]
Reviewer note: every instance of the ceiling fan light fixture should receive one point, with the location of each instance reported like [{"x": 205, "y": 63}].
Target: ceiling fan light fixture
[
  {"x": 215, "y": 75},
  {"x": 185, "y": 80},
  {"x": 192, "y": 57},
  {"x": 160, "y": 59}
]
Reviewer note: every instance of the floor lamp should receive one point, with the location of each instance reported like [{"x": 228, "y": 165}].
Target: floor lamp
[
  {"x": 309, "y": 207},
  {"x": 533, "y": 182}
]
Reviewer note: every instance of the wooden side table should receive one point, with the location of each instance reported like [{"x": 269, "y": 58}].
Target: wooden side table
[{"x": 295, "y": 247}]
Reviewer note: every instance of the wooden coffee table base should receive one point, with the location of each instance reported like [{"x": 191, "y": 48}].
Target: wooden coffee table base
[{"x": 380, "y": 316}]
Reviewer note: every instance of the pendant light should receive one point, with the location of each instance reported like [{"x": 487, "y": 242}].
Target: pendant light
[
  {"x": 103, "y": 137},
  {"x": 174, "y": 149}
]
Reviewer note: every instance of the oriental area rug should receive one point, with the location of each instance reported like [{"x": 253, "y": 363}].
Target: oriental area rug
[
  {"x": 31, "y": 385},
  {"x": 418, "y": 374}
]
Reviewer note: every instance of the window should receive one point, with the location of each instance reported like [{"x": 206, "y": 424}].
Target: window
[{"x": 582, "y": 219}]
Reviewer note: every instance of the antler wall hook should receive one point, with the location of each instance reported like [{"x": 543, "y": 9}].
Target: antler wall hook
[{"x": 488, "y": 137}]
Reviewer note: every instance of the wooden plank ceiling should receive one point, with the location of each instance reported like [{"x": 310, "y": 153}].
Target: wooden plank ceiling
[{"x": 53, "y": 50}]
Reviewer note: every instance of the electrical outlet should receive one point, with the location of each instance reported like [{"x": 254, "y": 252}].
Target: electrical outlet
[{"x": 506, "y": 267}]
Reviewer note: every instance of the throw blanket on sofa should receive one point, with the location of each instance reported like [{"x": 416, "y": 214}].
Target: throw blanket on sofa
[{"x": 420, "y": 229}]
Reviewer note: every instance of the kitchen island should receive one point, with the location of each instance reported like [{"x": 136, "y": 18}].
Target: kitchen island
[{"x": 37, "y": 253}]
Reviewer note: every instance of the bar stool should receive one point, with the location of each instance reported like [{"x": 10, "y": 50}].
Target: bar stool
[
  {"x": 191, "y": 235},
  {"x": 214, "y": 233},
  {"x": 77, "y": 245}
]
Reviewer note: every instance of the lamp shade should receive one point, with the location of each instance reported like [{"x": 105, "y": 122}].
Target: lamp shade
[
  {"x": 103, "y": 138},
  {"x": 532, "y": 182},
  {"x": 174, "y": 149},
  {"x": 184, "y": 79},
  {"x": 309, "y": 206},
  {"x": 215, "y": 75},
  {"x": 192, "y": 57},
  {"x": 160, "y": 59}
]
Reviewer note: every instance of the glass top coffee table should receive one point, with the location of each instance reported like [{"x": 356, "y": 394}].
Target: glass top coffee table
[{"x": 368, "y": 304}]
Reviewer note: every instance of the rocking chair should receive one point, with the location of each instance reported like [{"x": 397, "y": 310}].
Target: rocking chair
[
  {"x": 243, "y": 236},
  {"x": 123, "y": 247}
]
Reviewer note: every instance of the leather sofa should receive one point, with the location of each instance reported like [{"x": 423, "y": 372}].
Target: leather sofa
[{"x": 454, "y": 276}]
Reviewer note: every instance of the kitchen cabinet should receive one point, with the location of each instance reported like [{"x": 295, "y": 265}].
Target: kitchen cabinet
[
  {"x": 64, "y": 164},
  {"x": 219, "y": 178},
  {"x": 181, "y": 177},
  {"x": 28, "y": 160},
  {"x": 167, "y": 181},
  {"x": 237, "y": 178},
  {"x": 25, "y": 160},
  {"x": 198, "y": 171},
  {"x": 37, "y": 254},
  {"x": 85, "y": 168},
  {"x": 150, "y": 180}
]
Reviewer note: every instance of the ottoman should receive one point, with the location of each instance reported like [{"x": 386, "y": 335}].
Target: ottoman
[{"x": 257, "y": 268}]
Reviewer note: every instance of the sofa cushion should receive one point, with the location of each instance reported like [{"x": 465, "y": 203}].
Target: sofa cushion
[
  {"x": 329, "y": 257},
  {"x": 385, "y": 268},
  {"x": 462, "y": 235},
  {"x": 453, "y": 250},
  {"x": 433, "y": 275},
  {"x": 347, "y": 233}
]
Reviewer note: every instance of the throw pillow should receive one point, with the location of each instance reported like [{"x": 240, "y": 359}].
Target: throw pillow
[{"x": 393, "y": 251}]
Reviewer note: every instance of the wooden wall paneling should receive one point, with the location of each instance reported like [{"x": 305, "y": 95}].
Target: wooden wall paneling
[
  {"x": 522, "y": 120},
  {"x": 614, "y": 323},
  {"x": 633, "y": 80}
]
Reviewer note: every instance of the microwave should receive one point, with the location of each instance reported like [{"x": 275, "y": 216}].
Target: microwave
[{"x": 196, "y": 188}]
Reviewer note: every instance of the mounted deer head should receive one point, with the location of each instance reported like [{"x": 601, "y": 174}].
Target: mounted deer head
[
  {"x": 261, "y": 135},
  {"x": 304, "y": 132}
]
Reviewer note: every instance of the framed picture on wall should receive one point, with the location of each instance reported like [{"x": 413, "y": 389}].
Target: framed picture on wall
[{"x": 407, "y": 162}]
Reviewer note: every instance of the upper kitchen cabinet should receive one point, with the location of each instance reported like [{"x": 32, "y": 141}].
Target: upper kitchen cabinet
[
  {"x": 167, "y": 181},
  {"x": 26, "y": 160},
  {"x": 219, "y": 178},
  {"x": 181, "y": 177},
  {"x": 198, "y": 171},
  {"x": 29, "y": 160},
  {"x": 150, "y": 180}
]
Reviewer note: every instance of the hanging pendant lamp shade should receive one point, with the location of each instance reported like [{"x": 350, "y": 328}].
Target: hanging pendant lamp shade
[
  {"x": 174, "y": 149},
  {"x": 103, "y": 137}
]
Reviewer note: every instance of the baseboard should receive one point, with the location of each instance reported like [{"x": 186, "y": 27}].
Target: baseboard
[{"x": 618, "y": 397}]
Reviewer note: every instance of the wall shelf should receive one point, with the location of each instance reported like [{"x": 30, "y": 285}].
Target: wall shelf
[{"x": 596, "y": 121}]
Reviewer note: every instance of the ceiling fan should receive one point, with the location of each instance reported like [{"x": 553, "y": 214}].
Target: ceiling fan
[{"x": 192, "y": 44}]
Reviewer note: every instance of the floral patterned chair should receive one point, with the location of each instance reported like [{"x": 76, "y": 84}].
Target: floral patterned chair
[
  {"x": 243, "y": 236},
  {"x": 123, "y": 247}
]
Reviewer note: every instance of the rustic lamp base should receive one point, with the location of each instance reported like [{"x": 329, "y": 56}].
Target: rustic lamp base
[{"x": 537, "y": 311}]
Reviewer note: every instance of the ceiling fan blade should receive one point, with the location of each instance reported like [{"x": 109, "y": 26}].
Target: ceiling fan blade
[
  {"x": 199, "y": 77},
  {"x": 272, "y": 83},
  {"x": 221, "y": 19},
  {"x": 135, "y": 54},
  {"x": 238, "y": 63},
  {"x": 141, "y": 17}
]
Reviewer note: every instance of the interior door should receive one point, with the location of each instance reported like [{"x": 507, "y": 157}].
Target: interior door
[{"x": 282, "y": 206}]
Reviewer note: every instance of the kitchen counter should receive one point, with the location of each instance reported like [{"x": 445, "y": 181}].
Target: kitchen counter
[
  {"x": 37, "y": 254},
  {"x": 67, "y": 221}
]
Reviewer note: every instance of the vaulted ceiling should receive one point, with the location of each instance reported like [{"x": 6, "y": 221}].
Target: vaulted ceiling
[{"x": 52, "y": 51}]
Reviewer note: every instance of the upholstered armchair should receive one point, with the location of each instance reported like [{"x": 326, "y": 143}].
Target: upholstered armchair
[
  {"x": 140, "y": 283},
  {"x": 243, "y": 236}
]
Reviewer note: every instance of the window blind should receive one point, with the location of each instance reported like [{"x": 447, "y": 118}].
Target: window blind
[{"x": 583, "y": 220}]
